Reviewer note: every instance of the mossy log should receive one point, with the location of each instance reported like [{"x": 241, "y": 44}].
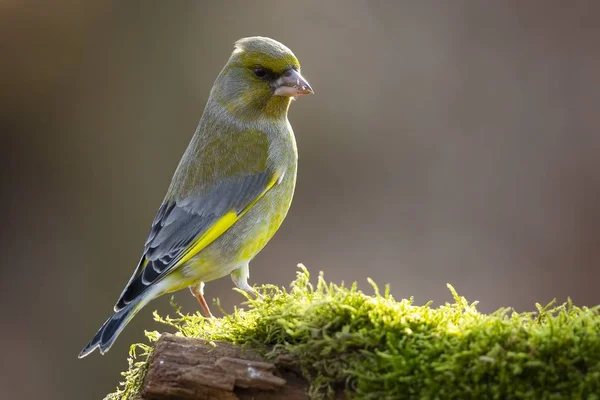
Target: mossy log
[
  {"x": 344, "y": 342},
  {"x": 190, "y": 369}
]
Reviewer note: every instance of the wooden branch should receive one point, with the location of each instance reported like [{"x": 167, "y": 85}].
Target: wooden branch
[{"x": 182, "y": 368}]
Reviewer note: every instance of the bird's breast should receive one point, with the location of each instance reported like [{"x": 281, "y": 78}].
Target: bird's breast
[{"x": 265, "y": 218}]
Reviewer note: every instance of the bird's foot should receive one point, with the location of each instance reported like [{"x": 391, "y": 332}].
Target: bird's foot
[{"x": 198, "y": 292}]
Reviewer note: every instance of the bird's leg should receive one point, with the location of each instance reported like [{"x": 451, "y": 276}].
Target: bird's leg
[
  {"x": 198, "y": 292},
  {"x": 240, "y": 279}
]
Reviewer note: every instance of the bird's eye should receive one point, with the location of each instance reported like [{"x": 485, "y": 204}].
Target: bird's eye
[{"x": 261, "y": 72}]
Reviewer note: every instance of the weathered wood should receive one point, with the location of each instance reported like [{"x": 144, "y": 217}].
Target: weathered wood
[{"x": 186, "y": 369}]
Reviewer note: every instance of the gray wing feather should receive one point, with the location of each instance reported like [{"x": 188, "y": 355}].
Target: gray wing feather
[{"x": 178, "y": 223}]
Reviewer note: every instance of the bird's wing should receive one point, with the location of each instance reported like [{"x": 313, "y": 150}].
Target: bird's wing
[{"x": 183, "y": 228}]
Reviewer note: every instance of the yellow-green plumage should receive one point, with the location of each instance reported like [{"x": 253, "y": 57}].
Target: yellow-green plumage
[{"x": 233, "y": 186}]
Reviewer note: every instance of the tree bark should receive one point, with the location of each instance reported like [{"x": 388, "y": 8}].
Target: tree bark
[{"x": 185, "y": 369}]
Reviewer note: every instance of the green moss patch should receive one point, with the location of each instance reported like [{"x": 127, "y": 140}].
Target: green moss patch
[{"x": 375, "y": 347}]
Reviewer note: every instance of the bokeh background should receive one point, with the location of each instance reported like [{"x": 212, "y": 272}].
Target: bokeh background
[{"x": 447, "y": 142}]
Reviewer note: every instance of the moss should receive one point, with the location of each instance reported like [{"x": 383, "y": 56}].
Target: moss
[{"x": 375, "y": 347}]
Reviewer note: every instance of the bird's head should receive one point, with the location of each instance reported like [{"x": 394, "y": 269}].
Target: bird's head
[{"x": 260, "y": 79}]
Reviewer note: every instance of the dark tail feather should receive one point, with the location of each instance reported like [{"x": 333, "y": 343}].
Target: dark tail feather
[{"x": 113, "y": 326}]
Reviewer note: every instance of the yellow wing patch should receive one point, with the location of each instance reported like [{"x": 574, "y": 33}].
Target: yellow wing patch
[{"x": 219, "y": 227}]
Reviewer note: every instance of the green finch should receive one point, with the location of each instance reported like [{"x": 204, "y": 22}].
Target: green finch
[{"x": 231, "y": 190}]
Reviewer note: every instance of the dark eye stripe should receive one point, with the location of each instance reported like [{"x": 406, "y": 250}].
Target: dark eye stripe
[{"x": 263, "y": 73}]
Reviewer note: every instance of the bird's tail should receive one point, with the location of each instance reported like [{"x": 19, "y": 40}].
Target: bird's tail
[{"x": 110, "y": 330}]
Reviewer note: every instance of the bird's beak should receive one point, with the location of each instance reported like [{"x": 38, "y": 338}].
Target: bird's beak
[{"x": 291, "y": 84}]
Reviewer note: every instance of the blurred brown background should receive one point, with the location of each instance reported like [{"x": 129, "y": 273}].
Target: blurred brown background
[{"x": 447, "y": 142}]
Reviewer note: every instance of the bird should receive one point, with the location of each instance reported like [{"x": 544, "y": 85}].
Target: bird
[{"x": 231, "y": 190}]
